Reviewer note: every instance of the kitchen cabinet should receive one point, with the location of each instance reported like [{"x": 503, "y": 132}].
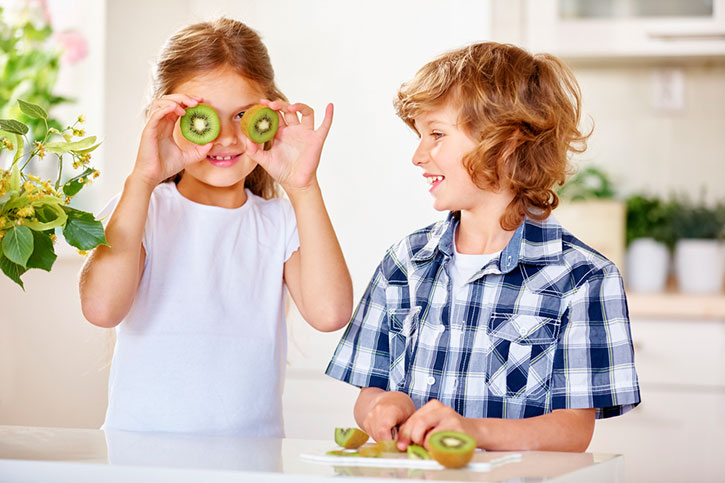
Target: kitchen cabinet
[
  {"x": 681, "y": 368},
  {"x": 595, "y": 29}
]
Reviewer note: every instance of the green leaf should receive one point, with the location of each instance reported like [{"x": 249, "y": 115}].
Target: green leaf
[
  {"x": 43, "y": 255},
  {"x": 75, "y": 184},
  {"x": 15, "y": 178},
  {"x": 82, "y": 230},
  {"x": 12, "y": 270},
  {"x": 32, "y": 110},
  {"x": 18, "y": 245},
  {"x": 64, "y": 147},
  {"x": 13, "y": 126},
  {"x": 89, "y": 150},
  {"x": 19, "y": 144},
  {"x": 50, "y": 215}
]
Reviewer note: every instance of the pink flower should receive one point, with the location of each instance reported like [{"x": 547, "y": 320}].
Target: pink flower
[{"x": 74, "y": 45}]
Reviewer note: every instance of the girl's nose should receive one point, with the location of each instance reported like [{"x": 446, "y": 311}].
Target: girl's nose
[{"x": 229, "y": 133}]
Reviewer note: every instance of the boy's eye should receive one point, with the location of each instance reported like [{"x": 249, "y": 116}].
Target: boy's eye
[{"x": 436, "y": 134}]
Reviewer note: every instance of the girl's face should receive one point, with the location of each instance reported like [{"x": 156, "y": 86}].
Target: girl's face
[
  {"x": 226, "y": 165},
  {"x": 440, "y": 152}
]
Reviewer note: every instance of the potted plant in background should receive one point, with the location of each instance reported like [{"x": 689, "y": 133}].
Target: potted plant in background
[
  {"x": 650, "y": 239},
  {"x": 699, "y": 257},
  {"x": 589, "y": 209}
]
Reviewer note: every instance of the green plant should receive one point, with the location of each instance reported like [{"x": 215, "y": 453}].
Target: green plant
[
  {"x": 32, "y": 209},
  {"x": 651, "y": 217},
  {"x": 29, "y": 65},
  {"x": 591, "y": 182},
  {"x": 697, "y": 220}
]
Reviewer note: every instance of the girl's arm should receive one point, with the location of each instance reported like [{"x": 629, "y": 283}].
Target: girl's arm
[
  {"x": 316, "y": 275},
  {"x": 110, "y": 276},
  {"x": 559, "y": 430}
]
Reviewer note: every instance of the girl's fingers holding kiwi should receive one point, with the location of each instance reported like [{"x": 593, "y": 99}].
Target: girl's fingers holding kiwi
[
  {"x": 182, "y": 99},
  {"x": 290, "y": 118},
  {"x": 324, "y": 128},
  {"x": 307, "y": 113}
]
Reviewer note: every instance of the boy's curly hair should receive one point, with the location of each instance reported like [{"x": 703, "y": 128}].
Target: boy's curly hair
[{"x": 522, "y": 111}]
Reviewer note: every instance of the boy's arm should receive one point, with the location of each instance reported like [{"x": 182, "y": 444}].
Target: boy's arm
[
  {"x": 378, "y": 411},
  {"x": 316, "y": 274},
  {"x": 560, "y": 430}
]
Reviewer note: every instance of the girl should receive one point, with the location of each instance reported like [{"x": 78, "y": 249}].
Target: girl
[{"x": 200, "y": 251}]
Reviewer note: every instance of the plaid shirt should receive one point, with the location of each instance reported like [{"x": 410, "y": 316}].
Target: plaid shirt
[{"x": 544, "y": 326}]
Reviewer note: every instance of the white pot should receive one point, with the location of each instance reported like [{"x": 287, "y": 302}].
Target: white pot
[
  {"x": 648, "y": 263},
  {"x": 699, "y": 265}
]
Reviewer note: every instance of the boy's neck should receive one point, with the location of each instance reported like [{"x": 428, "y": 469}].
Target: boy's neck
[{"x": 479, "y": 229}]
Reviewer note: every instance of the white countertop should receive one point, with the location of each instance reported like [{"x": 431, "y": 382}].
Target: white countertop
[{"x": 79, "y": 455}]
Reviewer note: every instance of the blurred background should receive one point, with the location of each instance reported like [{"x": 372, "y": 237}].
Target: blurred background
[{"x": 648, "y": 192}]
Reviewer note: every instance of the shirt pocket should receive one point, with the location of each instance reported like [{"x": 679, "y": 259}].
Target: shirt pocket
[
  {"x": 522, "y": 354},
  {"x": 402, "y": 338}
]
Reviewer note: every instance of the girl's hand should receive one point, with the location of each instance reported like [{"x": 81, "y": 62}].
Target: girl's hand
[
  {"x": 297, "y": 146},
  {"x": 432, "y": 417},
  {"x": 390, "y": 409},
  {"x": 159, "y": 156}
]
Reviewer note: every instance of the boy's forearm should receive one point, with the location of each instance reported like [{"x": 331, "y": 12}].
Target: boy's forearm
[
  {"x": 110, "y": 276},
  {"x": 325, "y": 284},
  {"x": 561, "y": 430}
]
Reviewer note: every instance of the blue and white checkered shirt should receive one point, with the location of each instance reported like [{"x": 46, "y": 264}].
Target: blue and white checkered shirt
[{"x": 544, "y": 326}]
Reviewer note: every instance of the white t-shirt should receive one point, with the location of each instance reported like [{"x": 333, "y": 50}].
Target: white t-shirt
[
  {"x": 464, "y": 266},
  {"x": 203, "y": 349}
]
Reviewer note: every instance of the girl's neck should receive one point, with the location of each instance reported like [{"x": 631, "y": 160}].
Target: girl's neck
[
  {"x": 223, "y": 196},
  {"x": 479, "y": 229}
]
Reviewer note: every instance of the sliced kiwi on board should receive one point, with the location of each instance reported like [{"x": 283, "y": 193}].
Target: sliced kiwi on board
[
  {"x": 260, "y": 123},
  {"x": 416, "y": 452},
  {"x": 388, "y": 446},
  {"x": 200, "y": 124},
  {"x": 452, "y": 449},
  {"x": 350, "y": 437}
]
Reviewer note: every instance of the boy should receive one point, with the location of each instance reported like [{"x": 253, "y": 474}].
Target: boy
[{"x": 495, "y": 321}]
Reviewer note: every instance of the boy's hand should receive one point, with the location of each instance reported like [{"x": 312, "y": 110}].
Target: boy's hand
[
  {"x": 296, "y": 147},
  {"x": 390, "y": 409},
  {"x": 433, "y": 416},
  {"x": 158, "y": 154}
]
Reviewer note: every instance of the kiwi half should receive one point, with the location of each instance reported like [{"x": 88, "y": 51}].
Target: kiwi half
[
  {"x": 452, "y": 449},
  {"x": 416, "y": 452},
  {"x": 260, "y": 123},
  {"x": 200, "y": 124},
  {"x": 350, "y": 437}
]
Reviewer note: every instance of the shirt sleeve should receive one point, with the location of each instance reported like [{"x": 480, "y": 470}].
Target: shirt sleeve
[
  {"x": 594, "y": 359},
  {"x": 292, "y": 240},
  {"x": 362, "y": 355}
]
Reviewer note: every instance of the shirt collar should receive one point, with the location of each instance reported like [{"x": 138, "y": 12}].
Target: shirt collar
[{"x": 533, "y": 242}]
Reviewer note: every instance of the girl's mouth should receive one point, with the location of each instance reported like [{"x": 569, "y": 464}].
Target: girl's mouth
[{"x": 222, "y": 160}]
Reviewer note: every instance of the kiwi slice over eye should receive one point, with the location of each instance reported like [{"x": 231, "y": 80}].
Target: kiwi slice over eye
[
  {"x": 350, "y": 437},
  {"x": 260, "y": 123},
  {"x": 452, "y": 449},
  {"x": 200, "y": 124},
  {"x": 416, "y": 452}
]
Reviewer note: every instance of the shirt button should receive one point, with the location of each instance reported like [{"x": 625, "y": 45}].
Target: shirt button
[
  {"x": 523, "y": 331},
  {"x": 431, "y": 380}
]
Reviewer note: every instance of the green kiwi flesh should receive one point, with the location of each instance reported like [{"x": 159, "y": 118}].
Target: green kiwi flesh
[
  {"x": 416, "y": 452},
  {"x": 259, "y": 123},
  {"x": 200, "y": 124},
  {"x": 350, "y": 438},
  {"x": 452, "y": 449}
]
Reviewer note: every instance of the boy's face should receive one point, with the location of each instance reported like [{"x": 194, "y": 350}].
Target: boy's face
[{"x": 443, "y": 144}]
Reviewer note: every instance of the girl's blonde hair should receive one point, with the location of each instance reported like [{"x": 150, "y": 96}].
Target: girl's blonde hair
[
  {"x": 207, "y": 46},
  {"x": 522, "y": 110}
]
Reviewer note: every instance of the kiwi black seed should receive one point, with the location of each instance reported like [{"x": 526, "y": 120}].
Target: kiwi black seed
[
  {"x": 350, "y": 437},
  {"x": 200, "y": 124},
  {"x": 452, "y": 449},
  {"x": 260, "y": 123}
]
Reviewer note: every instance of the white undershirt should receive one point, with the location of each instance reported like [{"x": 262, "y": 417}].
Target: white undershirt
[{"x": 465, "y": 265}]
